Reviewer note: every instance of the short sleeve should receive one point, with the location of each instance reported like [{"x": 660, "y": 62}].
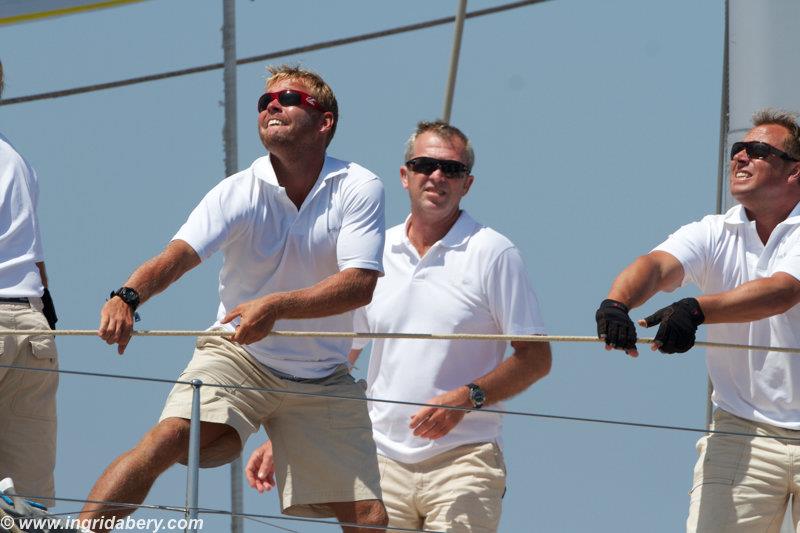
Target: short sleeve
[
  {"x": 690, "y": 245},
  {"x": 360, "y": 241},
  {"x": 512, "y": 300},
  {"x": 33, "y": 181},
  {"x": 220, "y": 216},
  {"x": 790, "y": 263}
]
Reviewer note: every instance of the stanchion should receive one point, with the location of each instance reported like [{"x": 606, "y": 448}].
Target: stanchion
[{"x": 193, "y": 463}]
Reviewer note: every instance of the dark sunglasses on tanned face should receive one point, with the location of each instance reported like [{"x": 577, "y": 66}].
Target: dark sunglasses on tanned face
[
  {"x": 428, "y": 165},
  {"x": 760, "y": 150},
  {"x": 289, "y": 98}
]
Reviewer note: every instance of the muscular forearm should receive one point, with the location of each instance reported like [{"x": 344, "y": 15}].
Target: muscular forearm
[
  {"x": 648, "y": 274},
  {"x": 529, "y": 363},
  {"x": 752, "y": 301},
  {"x": 158, "y": 273},
  {"x": 344, "y": 291}
]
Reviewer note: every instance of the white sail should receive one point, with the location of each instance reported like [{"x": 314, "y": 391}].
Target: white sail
[{"x": 762, "y": 56}]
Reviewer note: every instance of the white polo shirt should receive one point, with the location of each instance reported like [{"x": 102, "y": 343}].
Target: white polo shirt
[
  {"x": 269, "y": 246},
  {"x": 471, "y": 281},
  {"x": 20, "y": 241},
  {"x": 718, "y": 254}
]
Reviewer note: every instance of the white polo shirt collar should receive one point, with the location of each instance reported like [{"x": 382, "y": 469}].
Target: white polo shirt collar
[
  {"x": 331, "y": 168},
  {"x": 458, "y": 234},
  {"x": 737, "y": 215}
]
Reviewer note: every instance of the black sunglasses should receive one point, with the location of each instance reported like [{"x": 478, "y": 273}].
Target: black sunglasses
[
  {"x": 759, "y": 150},
  {"x": 428, "y": 165}
]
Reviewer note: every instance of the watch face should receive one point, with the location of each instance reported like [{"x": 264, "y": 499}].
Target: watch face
[
  {"x": 129, "y": 296},
  {"x": 478, "y": 396}
]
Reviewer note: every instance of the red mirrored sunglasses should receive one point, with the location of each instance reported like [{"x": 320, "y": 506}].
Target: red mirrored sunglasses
[{"x": 289, "y": 98}]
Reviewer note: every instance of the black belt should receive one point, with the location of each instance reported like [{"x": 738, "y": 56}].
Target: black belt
[{"x": 14, "y": 300}]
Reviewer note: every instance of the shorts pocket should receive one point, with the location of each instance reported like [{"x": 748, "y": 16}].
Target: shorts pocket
[
  {"x": 43, "y": 347},
  {"x": 720, "y": 459}
]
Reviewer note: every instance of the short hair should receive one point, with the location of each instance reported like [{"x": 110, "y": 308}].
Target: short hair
[
  {"x": 783, "y": 118},
  {"x": 445, "y": 131},
  {"x": 315, "y": 84}
]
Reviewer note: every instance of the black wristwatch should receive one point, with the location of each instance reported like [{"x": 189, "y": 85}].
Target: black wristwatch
[
  {"x": 128, "y": 295},
  {"x": 476, "y": 395}
]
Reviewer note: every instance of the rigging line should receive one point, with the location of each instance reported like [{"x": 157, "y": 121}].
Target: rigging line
[
  {"x": 417, "y": 404},
  {"x": 378, "y": 335},
  {"x": 109, "y": 505},
  {"x": 264, "y": 57},
  {"x": 318, "y": 521},
  {"x": 270, "y": 524}
]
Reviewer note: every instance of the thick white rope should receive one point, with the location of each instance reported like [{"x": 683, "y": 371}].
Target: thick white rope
[{"x": 362, "y": 335}]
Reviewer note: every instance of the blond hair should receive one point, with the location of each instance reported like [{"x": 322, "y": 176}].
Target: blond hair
[{"x": 315, "y": 85}]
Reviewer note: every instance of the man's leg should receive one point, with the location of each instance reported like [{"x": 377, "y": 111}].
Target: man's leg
[
  {"x": 399, "y": 483},
  {"x": 129, "y": 478},
  {"x": 28, "y": 405},
  {"x": 463, "y": 489},
  {"x": 740, "y": 484},
  {"x": 324, "y": 452},
  {"x": 363, "y": 512}
]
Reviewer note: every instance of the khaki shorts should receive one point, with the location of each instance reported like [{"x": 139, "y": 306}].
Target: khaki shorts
[
  {"x": 458, "y": 490},
  {"x": 28, "y": 403},
  {"x": 323, "y": 447},
  {"x": 742, "y": 484}
]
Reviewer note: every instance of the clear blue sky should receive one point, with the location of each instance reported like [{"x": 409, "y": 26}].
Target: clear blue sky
[{"x": 595, "y": 126}]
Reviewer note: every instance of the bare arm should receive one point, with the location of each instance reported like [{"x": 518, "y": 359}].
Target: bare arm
[
  {"x": 42, "y": 273},
  {"x": 344, "y": 291},
  {"x": 152, "y": 277},
  {"x": 353, "y": 356},
  {"x": 753, "y": 300},
  {"x": 647, "y": 275},
  {"x": 530, "y": 362}
]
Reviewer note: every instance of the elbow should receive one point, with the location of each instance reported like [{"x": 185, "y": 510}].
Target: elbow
[
  {"x": 545, "y": 363},
  {"x": 366, "y": 289}
]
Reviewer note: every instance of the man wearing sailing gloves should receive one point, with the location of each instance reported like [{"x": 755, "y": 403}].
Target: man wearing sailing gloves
[{"x": 747, "y": 264}]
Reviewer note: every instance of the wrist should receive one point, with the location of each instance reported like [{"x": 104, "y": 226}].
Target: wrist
[
  {"x": 476, "y": 396},
  {"x": 611, "y": 302},
  {"x": 128, "y": 295}
]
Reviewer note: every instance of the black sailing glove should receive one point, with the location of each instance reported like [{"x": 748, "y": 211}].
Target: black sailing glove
[
  {"x": 615, "y": 326},
  {"x": 49, "y": 310},
  {"x": 679, "y": 322}
]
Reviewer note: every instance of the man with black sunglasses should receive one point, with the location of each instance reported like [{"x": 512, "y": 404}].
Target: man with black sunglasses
[
  {"x": 442, "y": 469},
  {"x": 302, "y": 235},
  {"x": 747, "y": 264}
]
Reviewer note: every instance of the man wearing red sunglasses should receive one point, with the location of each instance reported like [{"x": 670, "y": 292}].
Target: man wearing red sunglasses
[
  {"x": 747, "y": 264},
  {"x": 302, "y": 235}
]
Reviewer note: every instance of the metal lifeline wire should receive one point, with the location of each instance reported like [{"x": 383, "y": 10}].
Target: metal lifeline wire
[
  {"x": 260, "y": 518},
  {"x": 266, "y": 57},
  {"x": 424, "y": 336}
]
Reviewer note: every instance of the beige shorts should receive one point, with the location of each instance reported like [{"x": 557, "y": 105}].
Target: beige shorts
[
  {"x": 28, "y": 403},
  {"x": 458, "y": 490},
  {"x": 323, "y": 447},
  {"x": 743, "y": 484}
]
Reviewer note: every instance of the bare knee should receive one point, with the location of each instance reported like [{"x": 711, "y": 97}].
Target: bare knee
[
  {"x": 363, "y": 512},
  {"x": 372, "y": 513},
  {"x": 165, "y": 442}
]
